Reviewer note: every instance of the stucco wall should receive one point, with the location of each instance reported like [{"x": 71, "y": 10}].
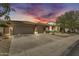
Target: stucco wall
[{"x": 40, "y": 29}]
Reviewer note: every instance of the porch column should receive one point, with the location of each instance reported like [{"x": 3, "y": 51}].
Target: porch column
[
  {"x": 7, "y": 32},
  {"x": 45, "y": 29},
  {"x": 50, "y": 28},
  {"x": 36, "y": 30}
]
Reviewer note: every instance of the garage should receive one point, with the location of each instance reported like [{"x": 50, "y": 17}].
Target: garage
[
  {"x": 22, "y": 28},
  {"x": 27, "y": 27}
]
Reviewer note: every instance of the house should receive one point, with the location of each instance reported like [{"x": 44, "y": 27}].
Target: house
[{"x": 27, "y": 27}]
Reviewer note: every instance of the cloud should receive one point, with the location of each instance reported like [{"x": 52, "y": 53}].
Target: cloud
[
  {"x": 41, "y": 10},
  {"x": 44, "y": 10}
]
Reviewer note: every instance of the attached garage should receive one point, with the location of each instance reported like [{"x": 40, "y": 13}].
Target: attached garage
[
  {"x": 22, "y": 28},
  {"x": 27, "y": 27}
]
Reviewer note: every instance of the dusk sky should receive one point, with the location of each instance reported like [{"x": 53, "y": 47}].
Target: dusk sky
[{"x": 47, "y": 11}]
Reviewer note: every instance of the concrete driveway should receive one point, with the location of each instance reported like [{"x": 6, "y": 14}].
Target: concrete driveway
[{"x": 41, "y": 45}]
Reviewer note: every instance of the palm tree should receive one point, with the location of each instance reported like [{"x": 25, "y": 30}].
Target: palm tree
[{"x": 6, "y": 9}]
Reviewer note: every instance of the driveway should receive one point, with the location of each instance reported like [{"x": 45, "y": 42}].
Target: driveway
[{"x": 41, "y": 44}]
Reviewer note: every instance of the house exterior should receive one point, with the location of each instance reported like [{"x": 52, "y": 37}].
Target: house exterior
[
  {"x": 27, "y": 27},
  {"x": 21, "y": 27}
]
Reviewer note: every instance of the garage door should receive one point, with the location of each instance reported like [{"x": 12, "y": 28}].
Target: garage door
[{"x": 21, "y": 28}]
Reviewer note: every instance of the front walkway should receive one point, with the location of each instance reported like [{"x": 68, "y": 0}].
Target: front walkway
[{"x": 42, "y": 45}]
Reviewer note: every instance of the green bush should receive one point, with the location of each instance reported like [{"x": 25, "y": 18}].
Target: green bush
[
  {"x": 53, "y": 31},
  {"x": 3, "y": 25}
]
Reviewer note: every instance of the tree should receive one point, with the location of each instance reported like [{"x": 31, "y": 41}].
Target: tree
[
  {"x": 69, "y": 20},
  {"x": 5, "y": 20},
  {"x": 61, "y": 23}
]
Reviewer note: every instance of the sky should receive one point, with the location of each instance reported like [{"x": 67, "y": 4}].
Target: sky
[{"x": 40, "y": 12}]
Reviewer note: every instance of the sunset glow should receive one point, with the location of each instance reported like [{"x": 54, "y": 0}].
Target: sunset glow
[{"x": 40, "y": 12}]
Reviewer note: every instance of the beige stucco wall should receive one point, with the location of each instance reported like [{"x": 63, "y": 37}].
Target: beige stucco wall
[{"x": 40, "y": 29}]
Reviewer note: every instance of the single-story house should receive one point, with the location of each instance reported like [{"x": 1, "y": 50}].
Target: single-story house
[{"x": 25, "y": 27}]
